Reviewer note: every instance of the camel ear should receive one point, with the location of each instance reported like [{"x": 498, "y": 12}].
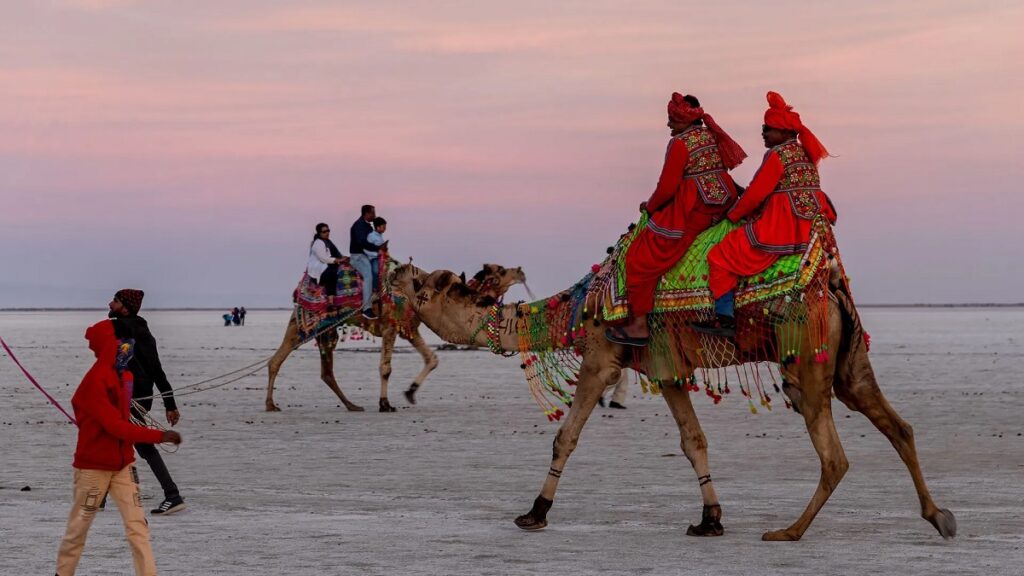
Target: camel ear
[{"x": 462, "y": 276}]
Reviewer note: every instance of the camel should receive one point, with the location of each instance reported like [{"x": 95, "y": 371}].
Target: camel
[
  {"x": 493, "y": 281},
  {"x": 464, "y": 318}
]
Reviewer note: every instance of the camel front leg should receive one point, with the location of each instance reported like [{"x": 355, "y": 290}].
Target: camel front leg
[
  {"x": 816, "y": 407},
  {"x": 429, "y": 363},
  {"x": 695, "y": 446},
  {"x": 387, "y": 349},
  {"x": 327, "y": 373},
  {"x": 291, "y": 340},
  {"x": 589, "y": 388}
]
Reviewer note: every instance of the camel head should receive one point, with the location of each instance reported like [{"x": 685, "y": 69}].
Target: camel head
[
  {"x": 494, "y": 279},
  {"x": 449, "y": 306}
]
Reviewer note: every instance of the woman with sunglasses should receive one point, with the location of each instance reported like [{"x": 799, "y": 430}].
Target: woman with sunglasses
[{"x": 324, "y": 258}]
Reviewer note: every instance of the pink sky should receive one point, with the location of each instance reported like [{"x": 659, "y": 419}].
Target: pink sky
[{"x": 188, "y": 148}]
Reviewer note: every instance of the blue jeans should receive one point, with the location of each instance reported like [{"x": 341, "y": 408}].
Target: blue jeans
[{"x": 364, "y": 266}]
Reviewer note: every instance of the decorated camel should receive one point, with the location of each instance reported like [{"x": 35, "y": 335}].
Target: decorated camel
[
  {"x": 397, "y": 319},
  {"x": 797, "y": 321}
]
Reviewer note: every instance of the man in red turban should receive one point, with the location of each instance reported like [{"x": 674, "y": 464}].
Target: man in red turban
[
  {"x": 693, "y": 193},
  {"x": 780, "y": 206}
]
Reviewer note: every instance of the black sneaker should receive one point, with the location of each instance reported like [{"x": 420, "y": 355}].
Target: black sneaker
[
  {"x": 616, "y": 405},
  {"x": 724, "y": 326},
  {"x": 369, "y": 315},
  {"x": 169, "y": 506}
]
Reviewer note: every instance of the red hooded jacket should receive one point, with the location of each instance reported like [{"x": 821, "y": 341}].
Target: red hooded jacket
[{"x": 106, "y": 438}]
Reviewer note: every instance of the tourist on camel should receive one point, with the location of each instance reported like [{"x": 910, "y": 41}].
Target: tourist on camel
[
  {"x": 103, "y": 456},
  {"x": 324, "y": 258},
  {"x": 146, "y": 371},
  {"x": 359, "y": 245},
  {"x": 693, "y": 193},
  {"x": 376, "y": 238},
  {"x": 780, "y": 206}
]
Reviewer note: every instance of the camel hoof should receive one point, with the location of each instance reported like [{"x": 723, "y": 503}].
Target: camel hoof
[
  {"x": 385, "y": 406},
  {"x": 271, "y": 407},
  {"x": 780, "y": 536},
  {"x": 706, "y": 529},
  {"x": 410, "y": 394},
  {"x": 945, "y": 523},
  {"x": 354, "y": 408},
  {"x": 530, "y": 524}
]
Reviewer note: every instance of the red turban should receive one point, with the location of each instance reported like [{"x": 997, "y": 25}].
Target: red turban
[
  {"x": 781, "y": 115},
  {"x": 131, "y": 299},
  {"x": 681, "y": 112}
]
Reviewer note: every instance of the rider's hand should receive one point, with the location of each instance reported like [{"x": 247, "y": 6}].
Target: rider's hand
[
  {"x": 171, "y": 437},
  {"x": 173, "y": 416}
]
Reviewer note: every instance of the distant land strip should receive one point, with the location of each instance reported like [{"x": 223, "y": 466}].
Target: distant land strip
[{"x": 222, "y": 309}]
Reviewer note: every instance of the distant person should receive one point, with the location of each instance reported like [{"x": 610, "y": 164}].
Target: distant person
[
  {"x": 620, "y": 388},
  {"x": 227, "y": 318},
  {"x": 103, "y": 455},
  {"x": 376, "y": 238},
  {"x": 241, "y": 315},
  {"x": 359, "y": 244},
  {"x": 146, "y": 369},
  {"x": 235, "y": 316},
  {"x": 324, "y": 258}
]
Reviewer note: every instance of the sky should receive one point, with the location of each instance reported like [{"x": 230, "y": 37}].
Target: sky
[{"x": 188, "y": 148}]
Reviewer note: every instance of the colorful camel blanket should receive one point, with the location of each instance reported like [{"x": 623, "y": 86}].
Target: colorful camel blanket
[
  {"x": 685, "y": 286},
  {"x": 311, "y": 314}
]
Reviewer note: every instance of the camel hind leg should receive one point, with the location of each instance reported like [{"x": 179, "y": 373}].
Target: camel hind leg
[
  {"x": 327, "y": 343},
  {"x": 695, "y": 446},
  {"x": 858, "y": 389},
  {"x": 814, "y": 402},
  {"x": 291, "y": 340}
]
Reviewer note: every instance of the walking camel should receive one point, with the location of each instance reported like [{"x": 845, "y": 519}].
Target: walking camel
[
  {"x": 464, "y": 318},
  {"x": 491, "y": 281}
]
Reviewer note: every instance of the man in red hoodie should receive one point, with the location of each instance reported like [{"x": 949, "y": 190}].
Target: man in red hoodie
[{"x": 104, "y": 454}]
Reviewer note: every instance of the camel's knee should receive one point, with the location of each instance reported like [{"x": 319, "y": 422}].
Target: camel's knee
[
  {"x": 432, "y": 362},
  {"x": 563, "y": 445},
  {"x": 833, "y": 470},
  {"x": 694, "y": 445}
]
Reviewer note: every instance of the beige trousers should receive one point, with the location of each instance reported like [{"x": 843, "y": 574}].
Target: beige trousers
[
  {"x": 90, "y": 487},
  {"x": 621, "y": 387}
]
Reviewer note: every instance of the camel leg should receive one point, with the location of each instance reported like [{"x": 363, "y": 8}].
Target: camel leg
[
  {"x": 429, "y": 363},
  {"x": 387, "y": 349},
  {"x": 291, "y": 340},
  {"x": 863, "y": 395},
  {"x": 591, "y": 384},
  {"x": 327, "y": 345},
  {"x": 695, "y": 446},
  {"x": 816, "y": 407}
]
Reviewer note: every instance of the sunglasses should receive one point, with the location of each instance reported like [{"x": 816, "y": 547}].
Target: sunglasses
[{"x": 325, "y": 231}]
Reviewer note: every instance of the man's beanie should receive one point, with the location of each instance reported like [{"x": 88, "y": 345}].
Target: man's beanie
[{"x": 131, "y": 298}]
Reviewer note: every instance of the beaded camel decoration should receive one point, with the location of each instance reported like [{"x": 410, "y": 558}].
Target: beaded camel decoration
[
  {"x": 811, "y": 332},
  {"x": 397, "y": 318}
]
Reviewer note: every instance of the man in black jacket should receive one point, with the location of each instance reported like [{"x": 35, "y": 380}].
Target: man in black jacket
[
  {"x": 146, "y": 369},
  {"x": 358, "y": 245}
]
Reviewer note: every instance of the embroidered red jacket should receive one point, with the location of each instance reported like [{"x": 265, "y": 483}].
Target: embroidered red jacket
[
  {"x": 105, "y": 436},
  {"x": 782, "y": 201},
  {"x": 693, "y": 180}
]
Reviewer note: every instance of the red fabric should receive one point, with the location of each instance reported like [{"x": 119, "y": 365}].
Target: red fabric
[
  {"x": 101, "y": 403},
  {"x": 680, "y": 112},
  {"x": 131, "y": 298},
  {"x": 774, "y": 226},
  {"x": 733, "y": 258},
  {"x": 647, "y": 260},
  {"x": 677, "y": 216},
  {"x": 781, "y": 115}
]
